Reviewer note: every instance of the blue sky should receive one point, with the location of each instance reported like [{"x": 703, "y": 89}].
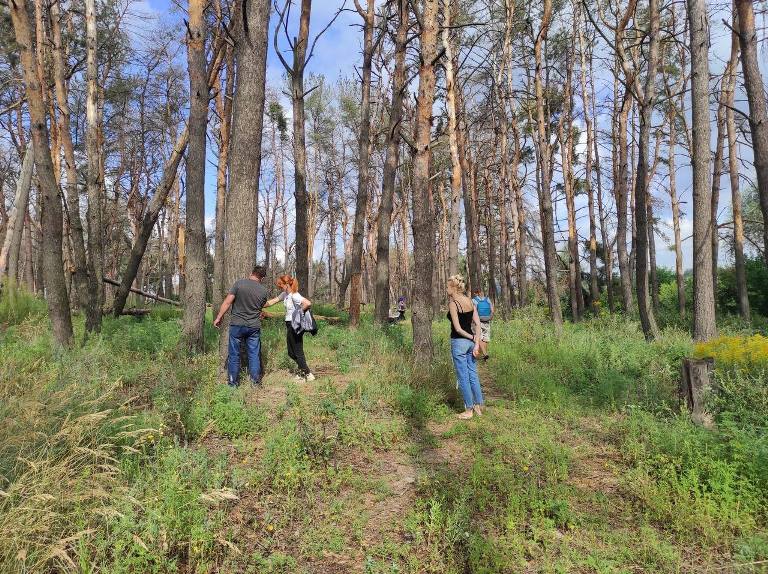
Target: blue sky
[{"x": 338, "y": 52}]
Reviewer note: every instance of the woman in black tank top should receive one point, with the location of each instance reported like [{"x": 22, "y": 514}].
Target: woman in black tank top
[
  {"x": 465, "y": 345},
  {"x": 465, "y": 320}
]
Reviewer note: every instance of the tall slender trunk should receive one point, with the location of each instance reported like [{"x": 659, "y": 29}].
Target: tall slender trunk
[
  {"x": 758, "y": 110},
  {"x": 451, "y": 87},
  {"x": 51, "y": 217},
  {"x": 93, "y": 178},
  {"x": 620, "y": 188},
  {"x": 565, "y": 134},
  {"x": 704, "y": 327},
  {"x": 391, "y": 160},
  {"x": 594, "y": 291},
  {"x": 679, "y": 275},
  {"x": 295, "y": 72},
  {"x": 469, "y": 188},
  {"x": 544, "y": 165},
  {"x": 9, "y": 256},
  {"x": 423, "y": 224},
  {"x": 646, "y": 101},
  {"x": 224, "y": 109},
  {"x": 80, "y": 266},
  {"x": 733, "y": 176},
  {"x": 361, "y": 203},
  {"x": 717, "y": 171},
  {"x": 197, "y": 125}
]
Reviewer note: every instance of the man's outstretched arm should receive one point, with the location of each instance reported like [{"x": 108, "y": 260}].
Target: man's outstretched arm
[{"x": 225, "y": 305}]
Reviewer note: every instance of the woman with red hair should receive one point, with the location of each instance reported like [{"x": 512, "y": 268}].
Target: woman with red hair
[{"x": 292, "y": 300}]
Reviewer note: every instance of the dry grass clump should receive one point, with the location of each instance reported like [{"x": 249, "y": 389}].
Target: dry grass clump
[{"x": 58, "y": 474}]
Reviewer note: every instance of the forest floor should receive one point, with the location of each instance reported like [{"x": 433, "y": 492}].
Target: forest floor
[{"x": 367, "y": 469}]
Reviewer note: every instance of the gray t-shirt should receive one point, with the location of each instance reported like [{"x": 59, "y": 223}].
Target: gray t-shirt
[{"x": 250, "y": 297}]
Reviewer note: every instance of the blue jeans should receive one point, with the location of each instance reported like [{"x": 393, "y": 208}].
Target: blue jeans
[
  {"x": 252, "y": 338},
  {"x": 466, "y": 372}
]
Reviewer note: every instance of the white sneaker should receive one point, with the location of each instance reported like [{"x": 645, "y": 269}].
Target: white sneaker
[
  {"x": 299, "y": 379},
  {"x": 310, "y": 377}
]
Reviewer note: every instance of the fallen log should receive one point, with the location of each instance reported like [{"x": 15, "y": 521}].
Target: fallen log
[
  {"x": 143, "y": 293},
  {"x": 268, "y": 315},
  {"x": 136, "y": 312}
]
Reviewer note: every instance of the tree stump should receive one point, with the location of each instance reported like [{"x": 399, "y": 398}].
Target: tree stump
[{"x": 695, "y": 384}]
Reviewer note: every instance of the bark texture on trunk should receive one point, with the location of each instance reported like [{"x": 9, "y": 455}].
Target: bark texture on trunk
[
  {"x": 423, "y": 221},
  {"x": 51, "y": 217},
  {"x": 194, "y": 292},
  {"x": 295, "y": 72},
  {"x": 451, "y": 103},
  {"x": 646, "y": 98},
  {"x": 758, "y": 110},
  {"x": 361, "y": 203},
  {"x": 733, "y": 177},
  {"x": 224, "y": 109},
  {"x": 80, "y": 266},
  {"x": 94, "y": 175},
  {"x": 544, "y": 152},
  {"x": 245, "y": 152},
  {"x": 11, "y": 250},
  {"x": 704, "y": 327},
  {"x": 391, "y": 160}
]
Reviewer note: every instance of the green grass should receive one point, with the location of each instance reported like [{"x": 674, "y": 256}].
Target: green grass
[{"x": 126, "y": 456}]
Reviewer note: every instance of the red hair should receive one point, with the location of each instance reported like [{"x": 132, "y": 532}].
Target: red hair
[{"x": 287, "y": 281}]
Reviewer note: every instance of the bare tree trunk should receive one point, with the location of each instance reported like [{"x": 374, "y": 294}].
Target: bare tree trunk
[
  {"x": 94, "y": 179},
  {"x": 147, "y": 223},
  {"x": 361, "y": 203},
  {"x": 245, "y": 152},
  {"x": 451, "y": 87},
  {"x": 391, "y": 161},
  {"x": 224, "y": 109},
  {"x": 594, "y": 291},
  {"x": 469, "y": 188},
  {"x": 423, "y": 230},
  {"x": 51, "y": 218},
  {"x": 9, "y": 256},
  {"x": 194, "y": 293},
  {"x": 545, "y": 193},
  {"x": 28, "y": 273},
  {"x": 80, "y": 270},
  {"x": 758, "y": 113},
  {"x": 646, "y": 99},
  {"x": 566, "y": 150},
  {"x": 704, "y": 327},
  {"x": 717, "y": 171},
  {"x": 296, "y": 74},
  {"x": 733, "y": 176}
]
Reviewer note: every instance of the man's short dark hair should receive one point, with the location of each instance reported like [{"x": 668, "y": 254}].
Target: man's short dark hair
[{"x": 260, "y": 271}]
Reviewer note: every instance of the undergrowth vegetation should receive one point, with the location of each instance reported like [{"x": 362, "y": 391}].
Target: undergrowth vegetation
[{"x": 124, "y": 456}]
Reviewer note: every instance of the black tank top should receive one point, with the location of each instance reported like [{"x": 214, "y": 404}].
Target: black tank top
[{"x": 465, "y": 320}]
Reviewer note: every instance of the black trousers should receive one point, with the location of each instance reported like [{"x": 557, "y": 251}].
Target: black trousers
[{"x": 296, "y": 348}]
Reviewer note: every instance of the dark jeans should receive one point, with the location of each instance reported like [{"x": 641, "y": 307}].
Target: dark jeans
[
  {"x": 252, "y": 338},
  {"x": 296, "y": 348}
]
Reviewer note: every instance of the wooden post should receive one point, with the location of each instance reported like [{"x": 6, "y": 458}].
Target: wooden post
[{"x": 696, "y": 383}]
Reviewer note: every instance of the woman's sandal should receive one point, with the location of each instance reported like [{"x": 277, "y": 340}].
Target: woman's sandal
[{"x": 465, "y": 415}]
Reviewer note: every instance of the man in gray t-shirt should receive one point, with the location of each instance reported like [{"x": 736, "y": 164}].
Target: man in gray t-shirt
[{"x": 246, "y": 298}]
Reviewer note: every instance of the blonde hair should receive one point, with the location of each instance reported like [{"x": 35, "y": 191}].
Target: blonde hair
[{"x": 458, "y": 283}]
